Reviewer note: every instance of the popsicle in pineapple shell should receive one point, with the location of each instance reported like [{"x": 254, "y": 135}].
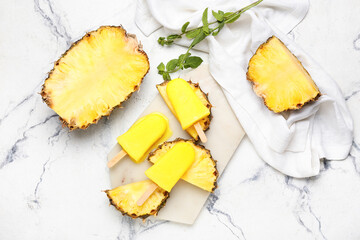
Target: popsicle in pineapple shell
[
  {"x": 167, "y": 170},
  {"x": 145, "y": 134},
  {"x": 187, "y": 106}
]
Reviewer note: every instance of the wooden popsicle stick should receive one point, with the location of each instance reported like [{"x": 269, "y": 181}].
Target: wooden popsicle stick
[
  {"x": 116, "y": 159},
  {"x": 146, "y": 194},
  {"x": 200, "y": 132}
]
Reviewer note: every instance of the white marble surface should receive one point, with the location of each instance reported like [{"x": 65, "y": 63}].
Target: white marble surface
[{"x": 51, "y": 179}]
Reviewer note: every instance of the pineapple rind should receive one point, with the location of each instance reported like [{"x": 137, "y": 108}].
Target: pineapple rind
[
  {"x": 135, "y": 211},
  {"x": 258, "y": 88},
  {"x": 46, "y": 94},
  {"x": 203, "y": 179},
  {"x": 205, "y": 122}
]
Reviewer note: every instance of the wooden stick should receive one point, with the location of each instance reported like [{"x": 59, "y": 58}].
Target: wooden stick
[
  {"x": 116, "y": 159},
  {"x": 146, "y": 194},
  {"x": 200, "y": 132}
]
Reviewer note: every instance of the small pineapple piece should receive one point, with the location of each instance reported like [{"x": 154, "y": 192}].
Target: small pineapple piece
[
  {"x": 279, "y": 77},
  {"x": 202, "y": 173},
  {"x": 205, "y": 122},
  {"x": 94, "y": 76},
  {"x": 124, "y": 198}
]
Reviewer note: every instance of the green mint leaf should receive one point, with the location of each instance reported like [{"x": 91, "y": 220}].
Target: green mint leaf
[
  {"x": 221, "y": 25},
  {"x": 226, "y": 15},
  {"x": 166, "y": 76},
  {"x": 205, "y": 21},
  {"x": 193, "y": 33},
  {"x": 183, "y": 28},
  {"x": 171, "y": 65},
  {"x": 173, "y": 36},
  {"x": 161, "y": 41},
  {"x": 161, "y": 67},
  {"x": 218, "y": 16},
  {"x": 201, "y": 36},
  {"x": 168, "y": 42},
  {"x": 193, "y": 62},
  {"x": 183, "y": 57},
  {"x": 233, "y": 18}
]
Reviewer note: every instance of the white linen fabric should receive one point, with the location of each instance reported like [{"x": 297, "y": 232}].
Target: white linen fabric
[{"x": 292, "y": 144}]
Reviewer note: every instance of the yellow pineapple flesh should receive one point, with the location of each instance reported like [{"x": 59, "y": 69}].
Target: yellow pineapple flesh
[
  {"x": 124, "y": 198},
  {"x": 202, "y": 173},
  {"x": 279, "y": 77},
  {"x": 94, "y": 76},
  {"x": 205, "y": 122}
]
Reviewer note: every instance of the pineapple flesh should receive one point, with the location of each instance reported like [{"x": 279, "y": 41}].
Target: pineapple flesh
[
  {"x": 94, "y": 76},
  {"x": 279, "y": 77},
  {"x": 124, "y": 198},
  {"x": 205, "y": 122},
  {"x": 202, "y": 173}
]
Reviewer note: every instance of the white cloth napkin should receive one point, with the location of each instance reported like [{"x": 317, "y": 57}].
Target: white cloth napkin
[{"x": 294, "y": 145}]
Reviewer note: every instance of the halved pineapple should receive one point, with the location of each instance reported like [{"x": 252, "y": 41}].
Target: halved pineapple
[
  {"x": 124, "y": 198},
  {"x": 202, "y": 173},
  {"x": 279, "y": 77},
  {"x": 205, "y": 122},
  {"x": 94, "y": 76}
]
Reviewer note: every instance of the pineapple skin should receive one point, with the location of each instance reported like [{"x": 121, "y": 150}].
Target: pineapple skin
[
  {"x": 205, "y": 122},
  {"x": 252, "y": 81},
  {"x": 45, "y": 97},
  {"x": 196, "y": 145},
  {"x": 153, "y": 212}
]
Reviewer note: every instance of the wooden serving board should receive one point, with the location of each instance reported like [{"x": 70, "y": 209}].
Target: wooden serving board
[{"x": 225, "y": 133}]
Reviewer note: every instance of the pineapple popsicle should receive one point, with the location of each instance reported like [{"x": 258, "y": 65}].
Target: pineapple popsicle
[
  {"x": 172, "y": 166},
  {"x": 147, "y": 132},
  {"x": 187, "y": 106}
]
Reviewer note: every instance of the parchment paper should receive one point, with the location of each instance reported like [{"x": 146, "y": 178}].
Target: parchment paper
[{"x": 225, "y": 133}]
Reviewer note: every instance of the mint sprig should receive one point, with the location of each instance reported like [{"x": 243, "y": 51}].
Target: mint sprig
[{"x": 198, "y": 34}]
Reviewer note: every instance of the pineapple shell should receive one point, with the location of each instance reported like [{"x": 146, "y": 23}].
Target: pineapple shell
[
  {"x": 95, "y": 75},
  {"x": 279, "y": 78},
  {"x": 202, "y": 173},
  {"x": 205, "y": 122},
  {"x": 124, "y": 199}
]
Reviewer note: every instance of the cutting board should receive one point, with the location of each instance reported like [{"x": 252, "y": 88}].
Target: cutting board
[{"x": 225, "y": 133}]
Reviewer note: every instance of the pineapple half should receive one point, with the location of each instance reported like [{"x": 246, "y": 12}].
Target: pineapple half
[
  {"x": 205, "y": 122},
  {"x": 279, "y": 77},
  {"x": 124, "y": 198},
  {"x": 202, "y": 173},
  {"x": 97, "y": 74}
]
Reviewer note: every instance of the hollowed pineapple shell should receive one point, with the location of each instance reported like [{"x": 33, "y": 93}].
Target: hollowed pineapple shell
[
  {"x": 97, "y": 74},
  {"x": 279, "y": 77},
  {"x": 205, "y": 122},
  {"x": 202, "y": 173},
  {"x": 124, "y": 199}
]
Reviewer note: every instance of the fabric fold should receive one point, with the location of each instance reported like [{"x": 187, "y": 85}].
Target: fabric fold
[{"x": 293, "y": 144}]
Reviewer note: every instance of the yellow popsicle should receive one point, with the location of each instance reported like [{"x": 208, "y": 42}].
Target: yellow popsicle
[
  {"x": 169, "y": 168},
  {"x": 145, "y": 132},
  {"x": 188, "y": 107}
]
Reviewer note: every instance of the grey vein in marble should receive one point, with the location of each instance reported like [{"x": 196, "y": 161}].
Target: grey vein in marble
[
  {"x": 305, "y": 209},
  {"x": 22, "y": 102},
  {"x": 356, "y": 43},
  {"x": 220, "y": 215},
  {"x": 150, "y": 225},
  {"x": 355, "y": 148},
  {"x": 256, "y": 176},
  {"x": 35, "y": 202},
  {"x": 27, "y": 98},
  {"x": 351, "y": 94},
  {"x": 52, "y": 19},
  {"x": 128, "y": 229},
  {"x": 15, "y": 147}
]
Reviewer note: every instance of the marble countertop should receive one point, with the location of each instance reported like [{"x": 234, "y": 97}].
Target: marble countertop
[{"x": 51, "y": 179}]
